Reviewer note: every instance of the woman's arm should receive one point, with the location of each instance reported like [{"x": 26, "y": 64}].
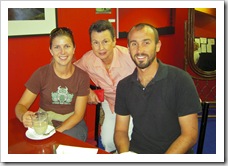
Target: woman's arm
[
  {"x": 79, "y": 112},
  {"x": 21, "y": 109}
]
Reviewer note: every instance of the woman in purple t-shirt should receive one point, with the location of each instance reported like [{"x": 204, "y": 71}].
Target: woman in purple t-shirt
[{"x": 62, "y": 86}]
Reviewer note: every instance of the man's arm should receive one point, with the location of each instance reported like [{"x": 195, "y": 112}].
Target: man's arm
[
  {"x": 188, "y": 137},
  {"x": 121, "y": 138}
]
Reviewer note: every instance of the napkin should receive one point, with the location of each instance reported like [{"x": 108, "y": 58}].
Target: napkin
[
  {"x": 65, "y": 149},
  {"x": 129, "y": 152}
]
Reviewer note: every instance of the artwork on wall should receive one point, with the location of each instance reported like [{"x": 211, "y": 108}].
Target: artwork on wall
[
  {"x": 31, "y": 21},
  {"x": 103, "y": 10},
  {"x": 205, "y": 44},
  {"x": 206, "y": 57}
]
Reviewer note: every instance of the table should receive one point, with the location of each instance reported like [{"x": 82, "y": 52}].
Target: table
[{"x": 18, "y": 143}]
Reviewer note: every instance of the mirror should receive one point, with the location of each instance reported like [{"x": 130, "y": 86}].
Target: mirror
[{"x": 201, "y": 41}]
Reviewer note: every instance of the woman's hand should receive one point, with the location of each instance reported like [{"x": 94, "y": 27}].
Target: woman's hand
[
  {"x": 92, "y": 98},
  {"x": 21, "y": 109},
  {"x": 27, "y": 119}
]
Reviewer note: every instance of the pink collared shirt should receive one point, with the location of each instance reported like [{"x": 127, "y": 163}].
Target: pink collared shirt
[{"x": 122, "y": 66}]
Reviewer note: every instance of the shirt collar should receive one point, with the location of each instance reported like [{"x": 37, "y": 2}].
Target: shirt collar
[
  {"x": 97, "y": 62},
  {"x": 161, "y": 73},
  {"x": 115, "y": 62}
]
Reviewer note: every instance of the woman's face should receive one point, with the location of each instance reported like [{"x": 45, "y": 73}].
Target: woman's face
[
  {"x": 102, "y": 44},
  {"x": 62, "y": 50}
]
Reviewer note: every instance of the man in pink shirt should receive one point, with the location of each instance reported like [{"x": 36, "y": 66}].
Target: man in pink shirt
[{"x": 106, "y": 65}]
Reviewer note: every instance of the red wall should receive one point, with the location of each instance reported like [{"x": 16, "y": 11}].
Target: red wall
[
  {"x": 26, "y": 54},
  {"x": 156, "y": 16}
]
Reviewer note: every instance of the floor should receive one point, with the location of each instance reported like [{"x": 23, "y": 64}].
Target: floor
[{"x": 209, "y": 146}]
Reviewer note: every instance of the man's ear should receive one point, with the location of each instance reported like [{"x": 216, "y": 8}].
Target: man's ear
[{"x": 158, "y": 46}]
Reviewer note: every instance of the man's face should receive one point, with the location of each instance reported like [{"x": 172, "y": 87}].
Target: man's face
[{"x": 142, "y": 47}]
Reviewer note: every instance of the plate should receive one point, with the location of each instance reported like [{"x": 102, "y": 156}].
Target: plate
[{"x": 31, "y": 134}]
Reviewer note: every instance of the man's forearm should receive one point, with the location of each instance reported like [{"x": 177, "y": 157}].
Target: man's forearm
[
  {"x": 181, "y": 145},
  {"x": 121, "y": 141}
]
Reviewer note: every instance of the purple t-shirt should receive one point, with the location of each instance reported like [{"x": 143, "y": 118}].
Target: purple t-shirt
[{"x": 57, "y": 94}]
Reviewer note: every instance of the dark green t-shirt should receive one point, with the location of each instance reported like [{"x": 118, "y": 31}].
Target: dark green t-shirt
[{"x": 155, "y": 109}]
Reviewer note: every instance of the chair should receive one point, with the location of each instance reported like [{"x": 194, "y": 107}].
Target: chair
[
  {"x": 205, "y": 108},
  {"x": 97, "y": 118}
]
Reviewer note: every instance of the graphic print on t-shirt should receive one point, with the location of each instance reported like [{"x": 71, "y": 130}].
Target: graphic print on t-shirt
[{"x": 61, "y": 96}]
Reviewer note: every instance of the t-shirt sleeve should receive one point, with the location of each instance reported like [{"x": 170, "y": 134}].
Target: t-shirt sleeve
[
  {"x": 34, "y": 82},
  {"x": 120, "y": 102},
  {"x": 188, "y": 101},
  {"x": 84, "y": 83}
]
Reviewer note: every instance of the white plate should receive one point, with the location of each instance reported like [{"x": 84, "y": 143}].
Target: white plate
[{"x": 31, "y": 134}]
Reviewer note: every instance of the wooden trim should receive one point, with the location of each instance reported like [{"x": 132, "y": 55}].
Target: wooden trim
[{"x": 161, "y": 31}]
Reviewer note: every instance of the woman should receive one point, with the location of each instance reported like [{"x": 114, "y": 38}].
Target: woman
[
  {"x": 106, "y": 64},
  {"x": 62, "y": 86}
]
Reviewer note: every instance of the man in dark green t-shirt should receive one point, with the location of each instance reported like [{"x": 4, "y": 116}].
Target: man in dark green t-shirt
[{"x": 162, "y": 100}]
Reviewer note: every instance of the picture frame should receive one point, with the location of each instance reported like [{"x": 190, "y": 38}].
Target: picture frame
[
  {"x": 103, "y": 10},
  {"x": 33, "y": 27}
]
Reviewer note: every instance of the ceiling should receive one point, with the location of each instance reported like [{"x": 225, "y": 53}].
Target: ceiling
[{"x": 208, "y": 11}]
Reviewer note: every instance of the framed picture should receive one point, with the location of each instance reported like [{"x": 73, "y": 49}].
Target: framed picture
[
  {"x": 103, "y": 10},
  {"x": 31, "y": 21}
]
